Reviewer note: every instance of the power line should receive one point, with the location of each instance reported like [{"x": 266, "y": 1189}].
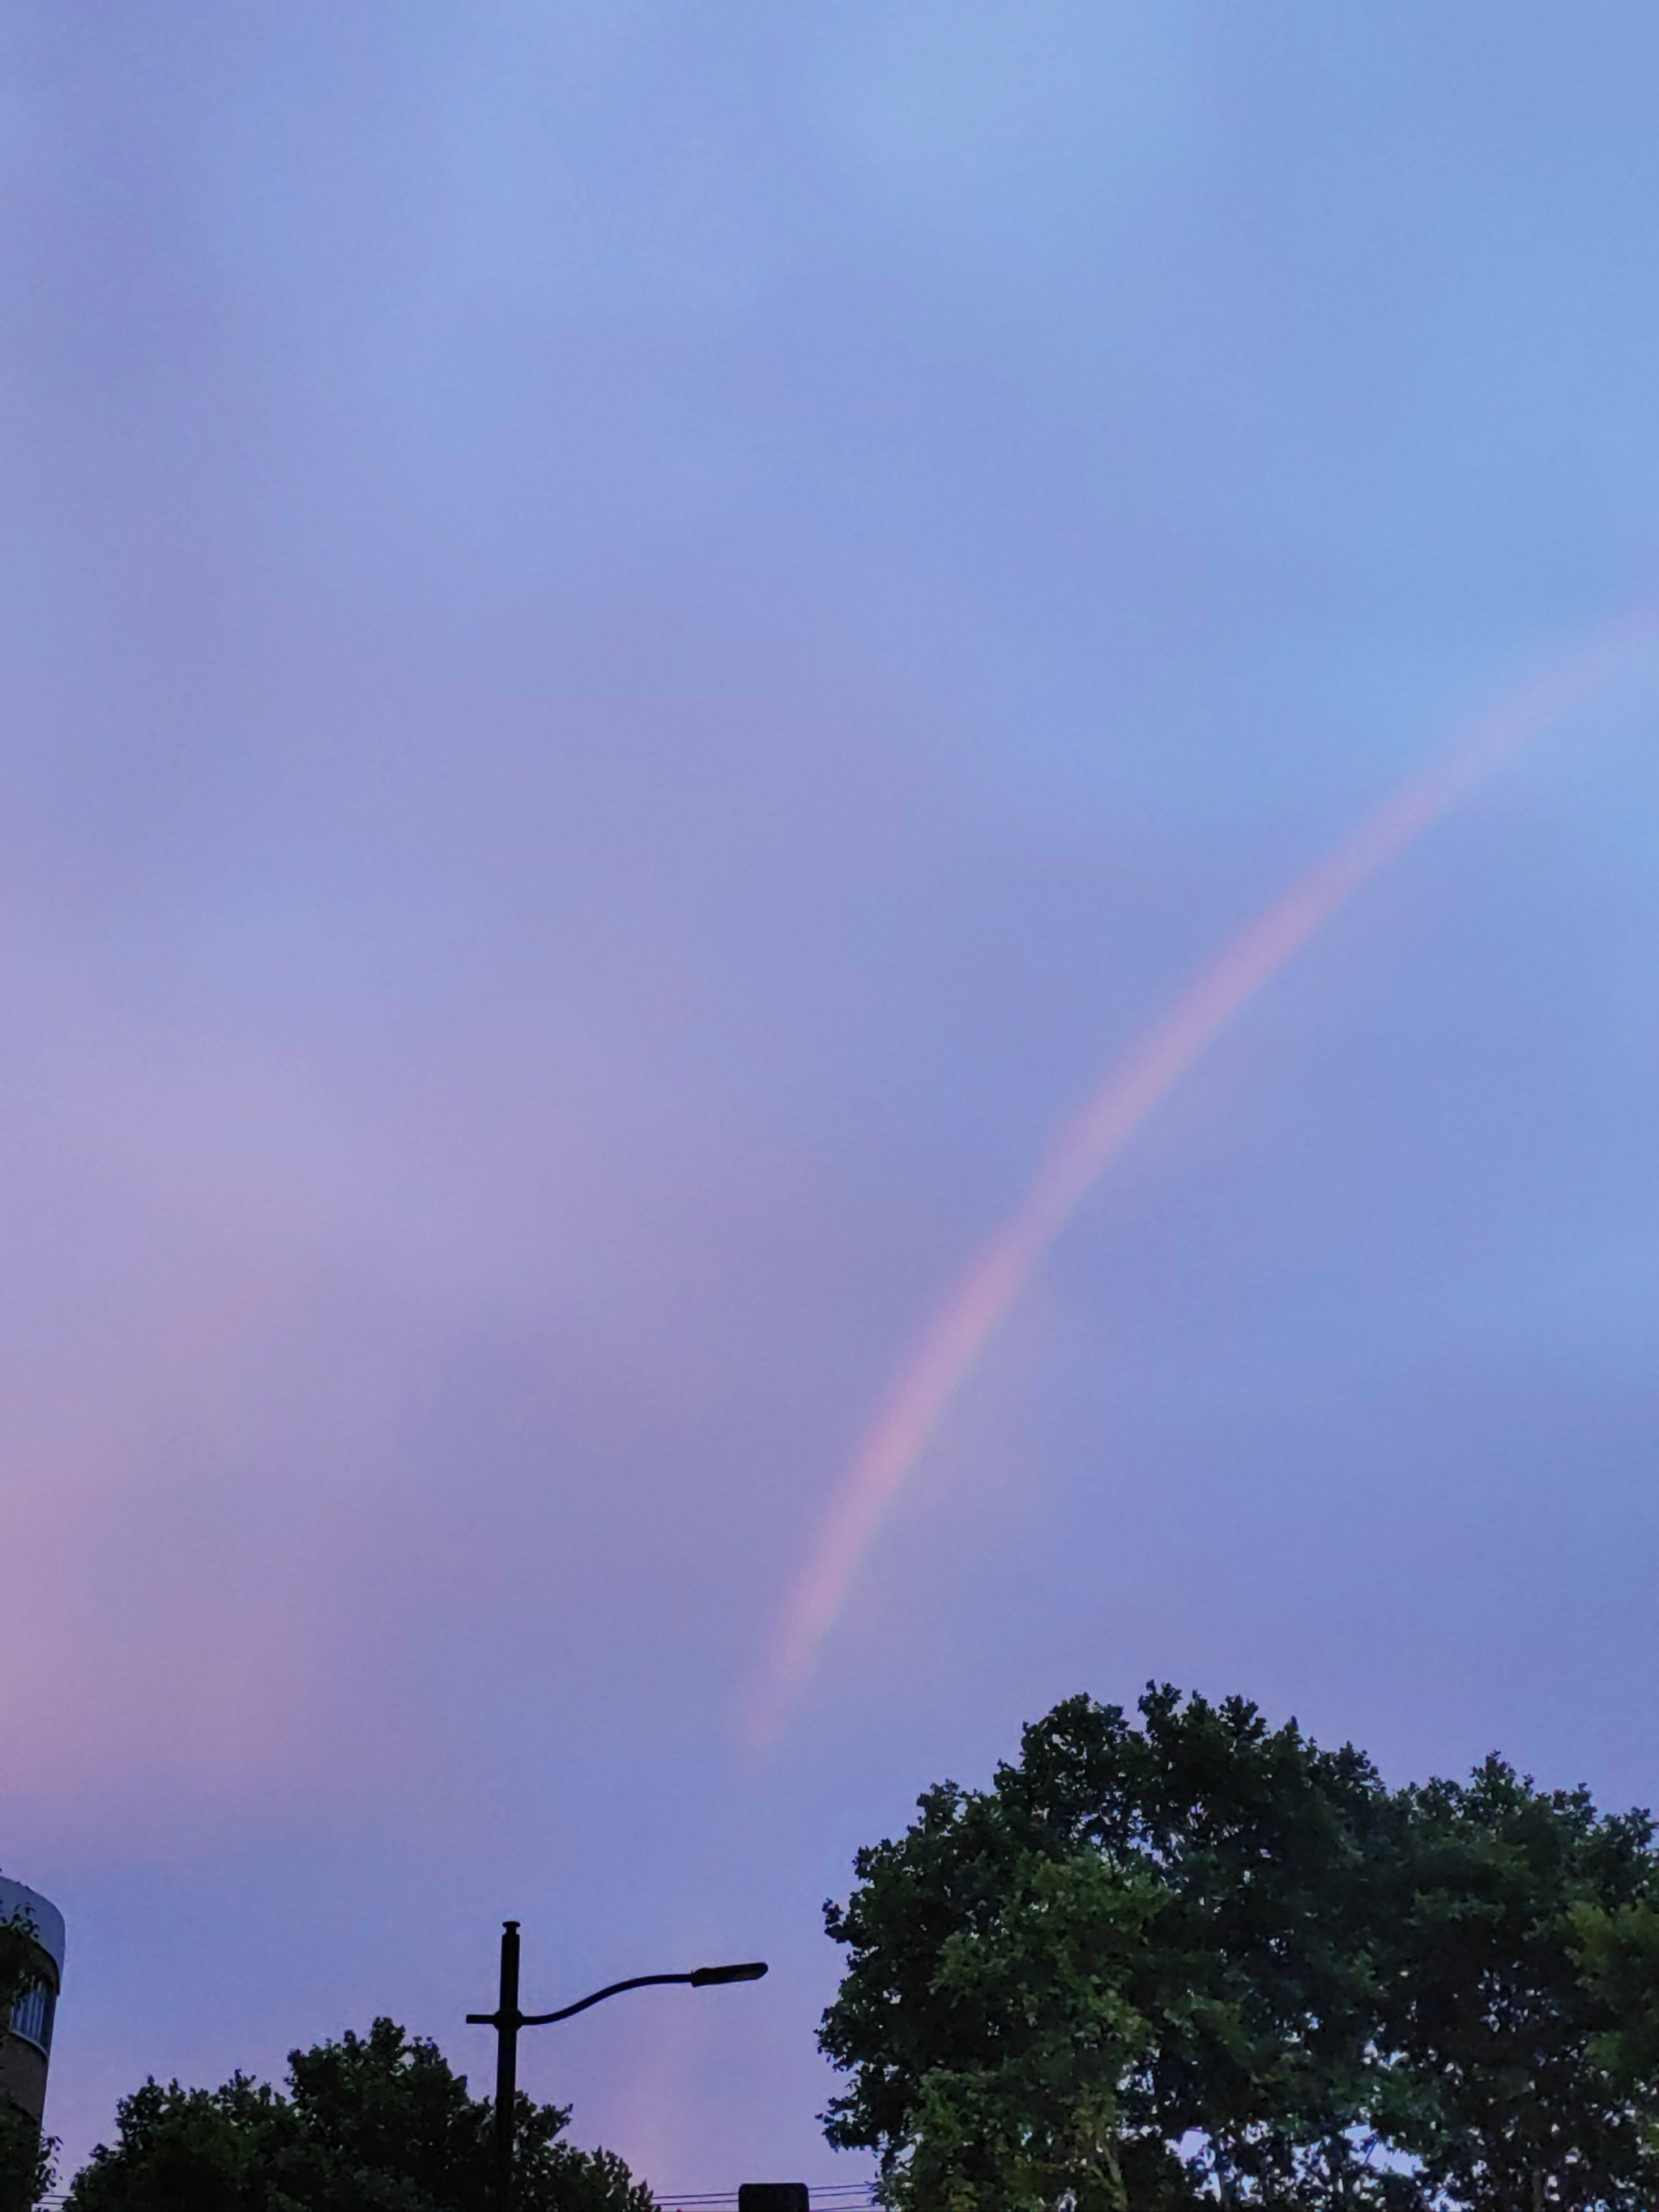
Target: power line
[{"x": 835, "y": 2195}]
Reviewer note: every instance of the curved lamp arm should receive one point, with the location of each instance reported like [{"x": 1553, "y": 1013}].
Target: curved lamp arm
[{"x": 701, "y": 1978}]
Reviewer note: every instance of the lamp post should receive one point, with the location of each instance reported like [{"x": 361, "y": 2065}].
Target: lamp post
[{"x": 506, "y": 2020}]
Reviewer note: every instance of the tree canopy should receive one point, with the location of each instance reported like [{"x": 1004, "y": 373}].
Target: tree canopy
[
  {"x": 1187, "y": 1959},
  {"x": 378, "y": 2123}
]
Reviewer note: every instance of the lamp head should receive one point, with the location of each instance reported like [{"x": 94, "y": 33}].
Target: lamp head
[{"x": 706, "y": 1977}]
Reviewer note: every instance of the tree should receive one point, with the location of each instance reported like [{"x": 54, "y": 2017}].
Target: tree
[
  {"x": 25, "y": 2172},
  {"x": 1133, "y": 1970},
  {"x": 1192, "y": 1961},
  {"x": 370, "y": 2123}
]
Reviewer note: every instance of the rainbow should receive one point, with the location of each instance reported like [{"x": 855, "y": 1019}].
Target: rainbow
[{"x": 1133, "y": 1088}]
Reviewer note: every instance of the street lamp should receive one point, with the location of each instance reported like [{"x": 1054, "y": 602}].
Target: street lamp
[{"x": 506, "y": 2020}]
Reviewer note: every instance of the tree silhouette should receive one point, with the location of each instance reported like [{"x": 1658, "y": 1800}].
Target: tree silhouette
[{"x": 378, "y": 2123}]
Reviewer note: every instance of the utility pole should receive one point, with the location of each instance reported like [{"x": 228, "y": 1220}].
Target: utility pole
[{"x": 508, "y": 2021}]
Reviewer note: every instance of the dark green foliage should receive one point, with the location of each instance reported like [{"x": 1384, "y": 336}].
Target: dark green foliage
[
  {"x": 1617, "y": 1948},
  {"x": 1503, "y": 2041},
  {"x": 371, "y": 2123},
  {"x": 25, "y": 2160},
  {"x": 25, "y": 2156},
  {"x": 1190, "y": 1960}
]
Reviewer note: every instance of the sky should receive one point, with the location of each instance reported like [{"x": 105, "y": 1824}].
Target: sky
[{"x": 637, "y": 642}]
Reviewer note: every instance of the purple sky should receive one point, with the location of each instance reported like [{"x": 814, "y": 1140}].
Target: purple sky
[{"x": 635, "y": 640}]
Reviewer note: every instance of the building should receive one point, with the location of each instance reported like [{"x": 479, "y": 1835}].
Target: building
[{"x": 26, "y": 2038}]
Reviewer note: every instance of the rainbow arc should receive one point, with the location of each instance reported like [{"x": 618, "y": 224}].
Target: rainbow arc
[{"x": 956, "y": 1338}]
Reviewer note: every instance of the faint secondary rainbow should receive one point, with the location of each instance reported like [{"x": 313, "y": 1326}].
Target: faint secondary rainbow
[{"x": 1133, "y": 1087}]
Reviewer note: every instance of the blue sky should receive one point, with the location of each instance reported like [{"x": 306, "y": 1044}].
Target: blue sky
[{"x": 635, "y": 640}]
